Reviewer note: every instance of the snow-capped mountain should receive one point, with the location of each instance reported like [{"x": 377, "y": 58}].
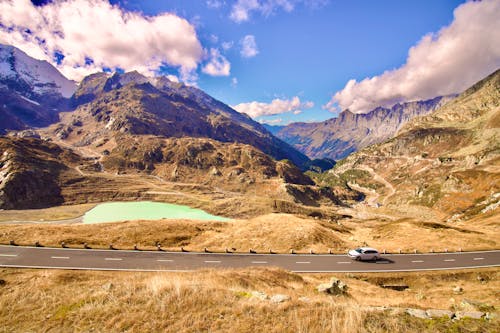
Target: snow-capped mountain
[
  {"x": 32, "y": 92},
  {"x": 37, "y": 77}
]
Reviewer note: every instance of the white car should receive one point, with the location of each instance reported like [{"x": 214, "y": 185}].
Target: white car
[{"x": 364, "y": 253}]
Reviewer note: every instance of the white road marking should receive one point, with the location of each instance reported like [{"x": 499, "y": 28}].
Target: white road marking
[
  {"x": 60, "y": 257},
  {"x": 449, "y": 260},
  {"x": 417, "y": 261},
  {"x": 165, "y": 260},
  {"x": 116, "y": 259},
  {"x": 212, "y": 261},
  {"x": 344, "y": 262},
  {"x": 302, "y": 262},
  {"x": 8, "y": 255},
  {"x": 478, "y": 259},
  {"x": 259, "y": 262}
]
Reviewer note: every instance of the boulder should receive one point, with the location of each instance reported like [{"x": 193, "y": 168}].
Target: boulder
[
  {"x": 435, "y": 313},
  {"x": 458, "y": 290},
  {"x": 259, "y": 295},
  {"x": 279, "y": 298},
  {"x": 335, "y": 287},
  {"x": 107, "y": 286},
  {"x": 417, "y": 313},
  {"x": 471, "y": 305},
  {"x": 469, "y": 314}
]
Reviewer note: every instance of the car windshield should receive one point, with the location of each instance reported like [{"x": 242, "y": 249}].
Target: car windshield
[{"x": 358, "y": 250}]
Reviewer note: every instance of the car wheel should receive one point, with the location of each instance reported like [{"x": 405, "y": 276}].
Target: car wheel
[{"x": 358, "y": 258}]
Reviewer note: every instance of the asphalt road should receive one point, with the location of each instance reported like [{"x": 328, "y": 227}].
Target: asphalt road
[{"x": 32, "y": 257}]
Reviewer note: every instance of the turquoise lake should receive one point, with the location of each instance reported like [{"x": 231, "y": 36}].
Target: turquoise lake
[{"x": 145, "y": 210}]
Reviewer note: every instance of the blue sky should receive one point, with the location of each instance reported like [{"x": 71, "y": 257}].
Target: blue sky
[
  {"x": 277, "y": 60},
  {"x": 310, "y": 52}
]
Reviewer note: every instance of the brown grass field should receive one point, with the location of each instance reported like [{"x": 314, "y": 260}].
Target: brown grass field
[
  {"x": 279, "y": 232},
  {"x": 221, "y": 301}
]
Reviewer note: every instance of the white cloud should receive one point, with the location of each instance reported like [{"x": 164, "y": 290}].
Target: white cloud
[
  {"x": 277, "y": 106},
  {"x": 227, "y": 45},
  {"x": 107, "y": 34},
  {"x": 242, "y": 9},
  {"x": 234, "y": 82},
  {"x": 443, "y": 63},
  {"x": 276, "y": 121},
  {"x": 214, "y": 38},
  {"x": 248, "y": 46},
  {"x": 218, "y": 64},
  {"x": 215, "y": 4}
]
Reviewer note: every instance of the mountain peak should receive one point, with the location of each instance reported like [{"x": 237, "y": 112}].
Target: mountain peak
[{"x": 39, "y": 76}]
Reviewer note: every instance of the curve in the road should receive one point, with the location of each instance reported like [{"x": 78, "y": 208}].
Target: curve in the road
[{"x": 33, "y": 257}]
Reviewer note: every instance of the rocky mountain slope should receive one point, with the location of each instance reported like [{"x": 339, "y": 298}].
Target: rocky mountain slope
[
  {"x": 336, "y": 138},
  {"x": 132, "y": 104},
  {"x": 32, "y": 173},
  {"x": 447, "y": 161},
  {"x": 32, "y": 92}
]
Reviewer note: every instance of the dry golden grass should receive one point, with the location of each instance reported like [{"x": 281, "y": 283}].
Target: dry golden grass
[
  {"x": 221, "y": 301},
  {"x": 279, "y": 232},
  {"x": 46, "y": 214}
]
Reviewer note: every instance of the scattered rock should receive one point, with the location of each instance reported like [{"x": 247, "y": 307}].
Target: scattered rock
[
  {"x": 215, "y": 172},
  {"x": 2, "y": 282},
  {"x": 335, "y": 287},
  {"x": 279, "y": 298},
  {"x": 259, "y": 294},
  {"x": 417, "y": 313},
  {"x": 469, "y": 314},
  {"x": 27, "y": 134},
  {"x": 398, "y": 287},
  {"x": 107, "y": 286},
  {"x": 305, "y": 299},
  {"x": 471, "y": 305},
  {"x": 491, "y": 316},
  {"x": 458, "y": 290},
  {"x": 435, "y": 313}
]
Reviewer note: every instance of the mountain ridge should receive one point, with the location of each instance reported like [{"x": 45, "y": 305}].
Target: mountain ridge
[{"x": 338, "y": 137}]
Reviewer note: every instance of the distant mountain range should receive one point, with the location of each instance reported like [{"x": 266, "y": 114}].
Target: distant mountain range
[{"x": 336, "y": 138}]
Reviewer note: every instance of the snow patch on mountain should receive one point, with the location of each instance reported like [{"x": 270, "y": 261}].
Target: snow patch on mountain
[{"x": 40, "y": 75}]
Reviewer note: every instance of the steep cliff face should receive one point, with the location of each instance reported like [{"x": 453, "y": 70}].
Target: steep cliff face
[
  {"x": 338, "y": 137},
  {"x": 448, "y": 161}
]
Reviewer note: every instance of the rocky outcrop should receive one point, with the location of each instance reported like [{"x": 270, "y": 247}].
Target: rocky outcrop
[
  {"x": 334, "y": 287},
  {"x": 30, "y": 172}
]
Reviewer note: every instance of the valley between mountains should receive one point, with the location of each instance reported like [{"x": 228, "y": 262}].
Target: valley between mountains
[{"x": 429, "y": 169}]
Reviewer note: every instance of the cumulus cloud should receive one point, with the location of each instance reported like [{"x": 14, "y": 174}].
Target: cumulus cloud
[
  {"x": 107, "y": 34},
  {"x": 248, "y": 46},
  {"x": 443, "y": 63},
  {"x": 242, "y": 9},
  {"x": 277, "y": 106},
  {"x": 218, "y": 64}
]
